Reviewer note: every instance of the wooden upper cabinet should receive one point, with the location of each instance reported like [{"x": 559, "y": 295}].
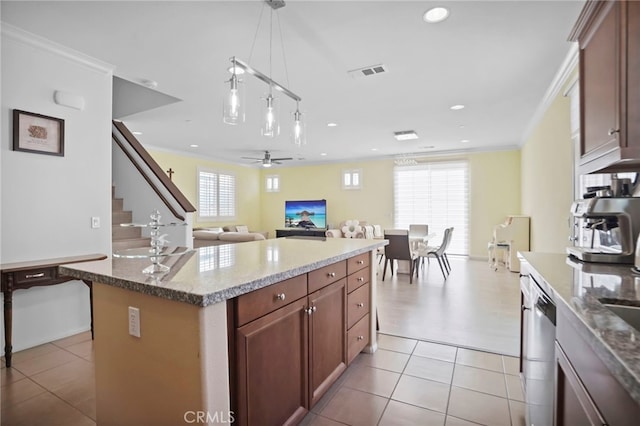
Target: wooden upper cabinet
[
  {"x": 607, "y": 33},
  {"x": 632, "y": 77}
]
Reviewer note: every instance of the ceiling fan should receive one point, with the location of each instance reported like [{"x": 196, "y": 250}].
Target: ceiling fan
[{"x": 267, "y": 161}]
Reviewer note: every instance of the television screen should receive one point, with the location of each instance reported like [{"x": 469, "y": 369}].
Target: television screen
[{"x": 305, "y": 214}]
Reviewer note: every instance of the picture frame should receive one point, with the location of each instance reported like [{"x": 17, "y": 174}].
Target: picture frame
[{"x": 38, "y": 133}]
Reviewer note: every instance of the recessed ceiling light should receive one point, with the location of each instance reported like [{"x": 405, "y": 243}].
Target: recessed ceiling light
[
  {"x": 436, "y": 14},
  {"x": 405, "y": 135},
  {"x": 151, "y": 84},
  {"x": 323, "y": 154},
  {"x": 193, "y": 145},
  {"x": 137, "y": 133},
  {"x": 464, "y": 140},
  {"x": 461, "y": 126},
  {"x": 374, "y": 149},
  {"x": 456, "y": 107},
  {"x": 332, "y": 124}
]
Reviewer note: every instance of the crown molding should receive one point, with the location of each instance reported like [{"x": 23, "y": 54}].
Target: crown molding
[
  {"x": 559, "y": 80},
  {"x": 19, "y": 35}
]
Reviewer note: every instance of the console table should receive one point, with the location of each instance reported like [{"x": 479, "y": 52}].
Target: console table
[
  {"x": 23, "y": 275},
  {"x": 299, "y": 232}
]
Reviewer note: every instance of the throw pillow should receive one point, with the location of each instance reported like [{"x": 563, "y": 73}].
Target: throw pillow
[
  {"x": 242, "y": 228},
  {"x": 351, "y": 228}
]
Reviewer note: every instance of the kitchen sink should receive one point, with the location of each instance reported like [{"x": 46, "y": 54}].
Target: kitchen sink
[{"x": 630, "y": 314}]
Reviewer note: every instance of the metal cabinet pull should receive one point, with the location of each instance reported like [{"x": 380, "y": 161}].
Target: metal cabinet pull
[
  {"x": 311, "y": 310},
  {"x": 280, "y": 296},
  {"x": 360, "y": 337},
  {"x": 613, "y": 131},
  {"x": 39, "y": 275},
  {"x": 360, "y": 305},
  {"x": 360, "y": 262},
  {"x": 331, "y": 274},
  {"x": 360, "y": 279}
]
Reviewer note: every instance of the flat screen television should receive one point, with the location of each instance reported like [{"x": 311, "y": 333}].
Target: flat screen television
[{"x": 309, "y": 214}]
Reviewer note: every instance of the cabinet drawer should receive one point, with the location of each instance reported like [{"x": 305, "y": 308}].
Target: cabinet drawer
[
  {"x": 357, "y": 305},
  {"x": 260, "y": 302},
  {"x": 358, "y": 262},
  {"x": 357, "y": 338},
  {"x": 327, "y": 275},
  {"x": 357, "y": 279},
  {"x": 35, "y": 276}
]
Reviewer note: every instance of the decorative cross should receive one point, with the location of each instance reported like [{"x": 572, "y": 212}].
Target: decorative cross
[{"x": 170, "y": 172}]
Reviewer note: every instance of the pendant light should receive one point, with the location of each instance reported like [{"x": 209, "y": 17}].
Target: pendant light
[
  {"x": 270, "y": 113},
  {"x": 233, "y": 105},
  {"x": 298, "y": 131}
]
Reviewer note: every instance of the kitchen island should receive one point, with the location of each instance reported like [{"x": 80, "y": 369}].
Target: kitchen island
[
  {"x": 597, "y": 352},
  {"x": 184, "y": 365}
]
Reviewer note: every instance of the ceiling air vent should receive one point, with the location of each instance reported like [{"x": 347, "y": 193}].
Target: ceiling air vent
[{"x": 368, "y": 71}]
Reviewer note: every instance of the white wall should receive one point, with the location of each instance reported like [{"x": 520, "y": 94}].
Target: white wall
[
  {"x": 141, "y": 200},
  {"x": 48, "y": 201}
]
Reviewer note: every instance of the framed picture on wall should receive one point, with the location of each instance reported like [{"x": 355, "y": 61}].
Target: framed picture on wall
[{"x": 38, "y": 133}]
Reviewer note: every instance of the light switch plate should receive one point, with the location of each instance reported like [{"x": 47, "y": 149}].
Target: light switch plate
[{"x": 95, "y": 222}]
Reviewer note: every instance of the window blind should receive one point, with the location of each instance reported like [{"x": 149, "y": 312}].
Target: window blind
[
  {"x": 216, "y": 195},
  {"x": 436, "y": 194}
]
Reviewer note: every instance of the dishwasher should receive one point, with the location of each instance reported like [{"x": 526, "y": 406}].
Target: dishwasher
[{"x": 538, "y": 350}]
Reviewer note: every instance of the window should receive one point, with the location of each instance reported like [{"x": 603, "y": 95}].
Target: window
[
  {"x": 351, "y": 179},
  {"x": 436, "y": 194},
  {"x": 272, "y": 183},
  {"x": 216, "y": 195}
]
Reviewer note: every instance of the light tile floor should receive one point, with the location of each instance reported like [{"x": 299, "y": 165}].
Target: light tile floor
[
  {"x": 409, "y": 381},
  {"x": 406, "y": 382},
  {"x": 412, "y": 382}
]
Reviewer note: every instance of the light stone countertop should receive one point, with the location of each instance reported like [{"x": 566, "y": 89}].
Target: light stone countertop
[
  {"x": 579, "y": 287},
  {"x": 214, "y": 274}
]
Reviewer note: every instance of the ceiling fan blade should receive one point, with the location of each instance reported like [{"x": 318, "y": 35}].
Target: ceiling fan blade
[
  {"x": 281, "y": 159},
  {"x": 251, "y": 158}
]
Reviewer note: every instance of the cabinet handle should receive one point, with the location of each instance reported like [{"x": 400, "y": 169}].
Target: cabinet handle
[
  {"x": 39, "y": 275},
  {"x": 331, "y": 274},
  {"x": 360, "y": 337},
  {"x": 360, "y": 262},
  {"x": 311, "y": 310},
  {"x": 360, "y": 305},
  {"x": 280, "y": 296},
  {"x": 613, "y": 131},
  {"x": 360, "y": 279}
]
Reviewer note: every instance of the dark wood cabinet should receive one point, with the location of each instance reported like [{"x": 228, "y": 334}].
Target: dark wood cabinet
[
  {"x": 272, "y": 369},
  {"x": 327, "y": 338},
  {"x": 574, "y": 406},
  {"x": 289, "y": 341},
  {"x": 587, "y": 393},
  {"x": 608, "y": 34}
]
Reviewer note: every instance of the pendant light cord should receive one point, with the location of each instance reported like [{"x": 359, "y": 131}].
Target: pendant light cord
[
  {"x": 284, "y": 57},
  {"x": 255, "y": 36}
]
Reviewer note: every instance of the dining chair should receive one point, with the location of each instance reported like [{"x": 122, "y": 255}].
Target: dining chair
[
  {"x": 439, "y": 253},
  {"x": 444, "y": 252},
  {"x": 399, "y": 249}
]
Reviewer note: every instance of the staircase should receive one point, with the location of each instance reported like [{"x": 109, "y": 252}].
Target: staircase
[{"x": 124, "y": 237}]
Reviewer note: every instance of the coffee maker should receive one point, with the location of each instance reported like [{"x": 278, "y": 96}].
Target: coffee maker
[{"x": 605, "y": 229}]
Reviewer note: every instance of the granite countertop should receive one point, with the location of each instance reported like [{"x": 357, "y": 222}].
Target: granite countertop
[
  {"x": 214, "y": 274},
  {"x": 580, "y": 287}
]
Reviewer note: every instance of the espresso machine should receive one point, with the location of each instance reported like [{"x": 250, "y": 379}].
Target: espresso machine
[{"x": 605, "y": 229}]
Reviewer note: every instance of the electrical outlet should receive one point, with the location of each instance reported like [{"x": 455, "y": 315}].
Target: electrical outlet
[
  {"x": 95, "y": 222},
  {"x": 134, "y": 321}
]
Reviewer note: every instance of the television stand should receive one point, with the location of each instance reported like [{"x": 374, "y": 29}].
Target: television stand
[{"x": 300, "y": 232}]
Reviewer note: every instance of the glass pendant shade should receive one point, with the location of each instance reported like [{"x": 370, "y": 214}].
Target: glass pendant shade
[
  {"x": 299, "y": 131},
  {"x": 233, "y": 104},
  {"x": 270, "y": 126}
]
